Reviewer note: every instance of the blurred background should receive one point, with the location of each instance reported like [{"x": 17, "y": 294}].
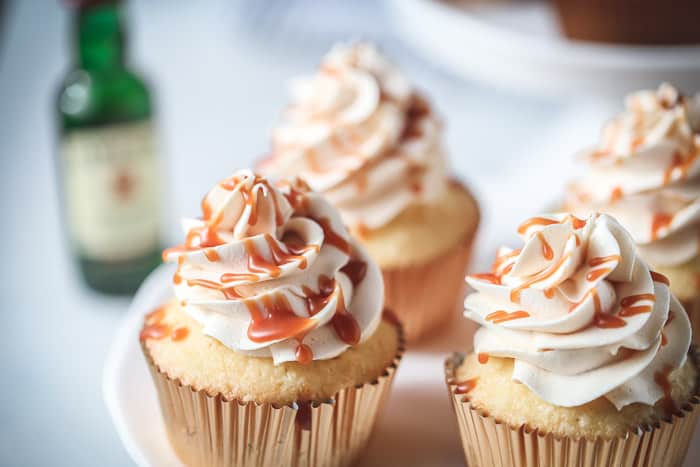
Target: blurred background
[{"x": 209, "y": 81}]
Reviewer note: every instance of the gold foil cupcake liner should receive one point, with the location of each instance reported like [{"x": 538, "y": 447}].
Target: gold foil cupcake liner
[
  {"x": 425, "y": 296},
  {"x": 489, "y": 442},
  {"x": 212, "y": 431}
]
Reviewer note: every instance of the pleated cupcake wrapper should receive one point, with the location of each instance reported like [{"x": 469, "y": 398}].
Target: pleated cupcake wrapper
[
  {"x": 489, "y": 442},
  {"x": 426, "y": 295},
  {"x": 209, "y": 430}
]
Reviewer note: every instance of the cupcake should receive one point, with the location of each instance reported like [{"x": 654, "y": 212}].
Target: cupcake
[
  {"x": 274, "y": 350},
  {"x": 360, "y": 134},
  {"x": 648, "y": 22},
  {"x": 646, "y": 173},
  {"x": 583, "y": 356}
]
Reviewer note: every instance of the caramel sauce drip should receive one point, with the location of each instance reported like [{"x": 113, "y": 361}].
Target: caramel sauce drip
[
  {"x": 154, "y": 331},
  {"x": 229, "y": 184},
  {"x": 547, "y": 251},
  {"x": 658, "y": 277},
  {"x": 662, "y": 380},
  {"x": 487, "y": 277},
  {"x": 660, "y": 221},
  {"x": 502, "y": 316},
  {"x": 316, "y": 301},
  {"x": 180, "y": 334},
  {"x": 507, "y": 269},
  {"x": 543, "y": 221},
  {"x": 604, "y": 320},
  {"x": 549, "y": 293},
  {"x": 616, "y": 194},
  {"x": 207, "y": 211},
  {"x": 154, "y": 328},
  {"x": 304, "y": 354},
  {"x": 356, "y": 270},
  {"x": 465, "y": 387},
  {"x": 332, "y": 237},
  {"x": 363, "y": 231},
  {"x": 598, "y": 260},
  {"x": 177, "y": 278},
  {"x": 296, "y": 196},
  {"x": 634, "y": 310},
  {"x": 632, "y": 299},
  {"x": 596, "y": 274},
  {"x": 230, "y": 293},
  {"x": 390, "y": 317},
  {"x": 212, "y": 255},
  {"x": 273, "y": 318},
  {"x": 345, "y": 324},
  {"x": 535, "y": 221},
  {"x": 303, "y": 416},
  {"x": 417, "y": 110},
  {"x": 482, "y": 358},
  {"x": 678, "y": 162}
]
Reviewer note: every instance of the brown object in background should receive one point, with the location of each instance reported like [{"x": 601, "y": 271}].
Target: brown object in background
[{"x": 641, "y": 22}]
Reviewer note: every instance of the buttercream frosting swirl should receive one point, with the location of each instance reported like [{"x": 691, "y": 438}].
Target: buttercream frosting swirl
[
  {"x": 580, "y": 313},
  {"x": 270, "y": 270},
  {"x": 646, "y": 173},
  {"x": 358, "y": 132}
]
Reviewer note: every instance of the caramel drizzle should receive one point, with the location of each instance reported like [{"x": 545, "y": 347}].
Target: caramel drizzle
[
  {"x": 661, "y": 378},
  {"x": 501, "y": 316},
  {"x": 658, "y": 277},
  {"x": 596, "y": 274},
  {"x": 204, "y": 237},
  {"x": 482, "y": 358},
  {"x": 629, "y": 307},
  {"x": 515, "y": 293},
  {"x": 154, "y": 328},
  {"x": 276, "y": 319},
  {"x": 547, "y": 251},
  {"x": 549, "y": 292},
  {"x": 598, "y": 260},
  {"x": 332, "y": 237},
  {"x": 660, "y": 221},
  {"x": 544, "y": 221},
  {"x": 257, "y": 264},
  {"x": 487, "y": 277},
  {"x": 678, "y": 162},
  {"x": 616, "y": 194},
  {"x": 503, "y": 258},
  {"x": 465, "y": 387}
]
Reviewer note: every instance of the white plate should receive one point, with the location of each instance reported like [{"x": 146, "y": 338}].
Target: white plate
[
  {"x": 517, "y": 45},
  {"x": 417, "y": 427}
]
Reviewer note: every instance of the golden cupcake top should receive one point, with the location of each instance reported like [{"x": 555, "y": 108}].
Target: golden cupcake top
[
  {"x": 645, "y": 171},
  {"x": 580, "y": 313},
  {"x": 269, "y": 270},
  {"x": 359, "y": 132}
]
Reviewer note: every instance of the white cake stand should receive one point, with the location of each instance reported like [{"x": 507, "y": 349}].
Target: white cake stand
[{"x": 517, "y": 45}]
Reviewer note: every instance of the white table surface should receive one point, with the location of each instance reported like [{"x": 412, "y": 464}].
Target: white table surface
[{"x": 218, "y": 69}]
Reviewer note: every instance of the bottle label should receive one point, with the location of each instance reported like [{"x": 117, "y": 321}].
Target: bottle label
[{"x": 111, "y": 191}]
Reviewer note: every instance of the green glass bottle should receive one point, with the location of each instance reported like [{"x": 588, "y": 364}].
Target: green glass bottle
[{"x": 108, "y": 165}]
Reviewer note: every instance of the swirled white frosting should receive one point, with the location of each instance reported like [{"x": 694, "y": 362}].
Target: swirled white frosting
[
  {"x": 646, "y": 173},
  {"x": 265, "y": 271},
  {"x": 580, "y": 313},
  {"x": 359, "y": 133}
]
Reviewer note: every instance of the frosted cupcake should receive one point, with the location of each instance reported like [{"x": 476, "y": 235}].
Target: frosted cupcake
[
  {"x": 275, "y": 351},
  {"x": 646, "y": 172},
  {"x": 359, "y": 133},
  {"x": 582, "y": 358}
]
